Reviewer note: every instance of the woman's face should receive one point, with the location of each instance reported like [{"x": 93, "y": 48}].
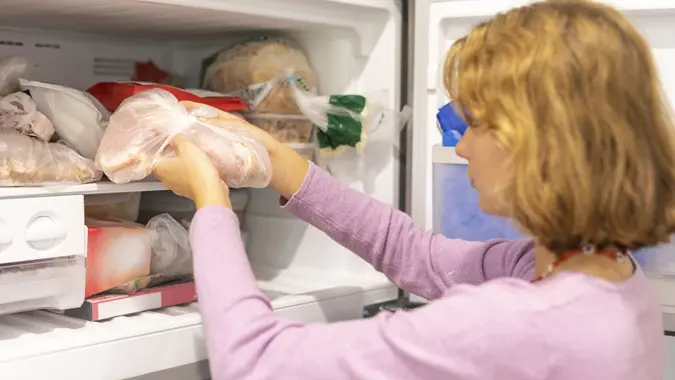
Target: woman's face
[{"x": 487, "y": 167}]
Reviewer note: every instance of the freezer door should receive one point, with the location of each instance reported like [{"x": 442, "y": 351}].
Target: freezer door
[{"x": 437, "y": 24}]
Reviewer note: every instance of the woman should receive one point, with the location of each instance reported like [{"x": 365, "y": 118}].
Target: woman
[{"x": 569, "y": 136}]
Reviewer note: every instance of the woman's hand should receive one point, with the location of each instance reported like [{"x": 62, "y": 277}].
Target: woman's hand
[
  {"x": 191, "y": 174},
  {"x": 288, "y": 167}
]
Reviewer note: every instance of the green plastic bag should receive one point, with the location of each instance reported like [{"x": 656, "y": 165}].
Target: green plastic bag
[{"x": 342, "y": 121}]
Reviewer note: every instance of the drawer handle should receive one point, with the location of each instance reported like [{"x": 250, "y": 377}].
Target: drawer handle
[{"x": 44, "y": 232}]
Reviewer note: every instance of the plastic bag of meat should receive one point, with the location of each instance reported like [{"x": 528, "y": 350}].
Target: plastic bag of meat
[
  {"x": 11, "y": 69},
  {"x": 142, "y": 129},
  {"x": 25, "y": 161},
  {"x": 18, "y": 111}
]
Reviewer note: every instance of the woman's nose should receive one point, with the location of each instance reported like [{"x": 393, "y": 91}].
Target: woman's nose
[{"x": 462, "y": 148}]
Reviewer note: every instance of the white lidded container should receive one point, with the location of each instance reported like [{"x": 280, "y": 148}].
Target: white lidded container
[
  {"x": 457, "y": 213},
  {"x": 42, "y": 253}
]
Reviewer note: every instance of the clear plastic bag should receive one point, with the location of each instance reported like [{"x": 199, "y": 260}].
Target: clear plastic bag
[
  {"x": 171, "y": 253},
  {"x": 78, "y": 118},
  {"x": 252, "y": 70},
  {"x": 140, "y": 133},
  {"x": 343, "y": 121},
  {"x": 25, "y": 161},
  {"x": 18, "y": 111},
  {"x": 11, "y": 69}
]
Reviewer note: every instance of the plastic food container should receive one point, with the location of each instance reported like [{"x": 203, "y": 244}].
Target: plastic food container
[
  {"x": 457, "y": 213},
  {"x": 285, "y": 128},
  {"x": 182, "y": 209}
]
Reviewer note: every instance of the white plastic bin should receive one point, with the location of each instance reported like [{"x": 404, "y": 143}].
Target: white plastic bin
[{"x": 457, "y": 213}]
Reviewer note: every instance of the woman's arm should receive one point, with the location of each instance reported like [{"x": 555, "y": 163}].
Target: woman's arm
[
  {"x": 420, "y": 262},
  {"x": 452, "y": 338}
]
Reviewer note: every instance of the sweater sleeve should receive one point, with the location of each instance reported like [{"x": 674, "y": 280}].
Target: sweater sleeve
[
  {"x": 452, "y": 338},
  {"x": 418, "y": 261}
]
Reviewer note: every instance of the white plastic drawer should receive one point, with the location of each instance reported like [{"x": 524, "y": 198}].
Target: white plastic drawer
[{"x": 41, "y": 228}]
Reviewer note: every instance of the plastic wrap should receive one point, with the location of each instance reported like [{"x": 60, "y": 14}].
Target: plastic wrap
[
  {"x": 253, "y": 69},
  {"x": 171, "y": 253},
  {"x": 343, "y": 121},
  {"x": 11, "y": 69},
  {"x": 140, "y": 133},
  {"x": 18, "y": 111},
  {"x": 79, "y": 119},
  {"x": 27, "y": 161}
]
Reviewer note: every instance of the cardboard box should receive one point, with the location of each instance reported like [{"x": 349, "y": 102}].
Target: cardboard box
[{"x": 106, "y": 306}]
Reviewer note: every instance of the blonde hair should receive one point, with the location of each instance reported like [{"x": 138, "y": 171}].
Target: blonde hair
[{"x": 571, "y": 90}]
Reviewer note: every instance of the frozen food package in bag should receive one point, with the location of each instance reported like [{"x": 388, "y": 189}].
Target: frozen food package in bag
[
  {"x": 19, "y": 111},
  {"x": 11, "y": 69},
  {"x": 78, "y": 118},
  {"x": 117, "y": 252},
  {"x": 252, "y": 70},
  {"x": 25, "y": 161},
  {"x": 141, "y": 132},
  {"x": 343, "y": 121},
  {"x": 171, "y": 253}
]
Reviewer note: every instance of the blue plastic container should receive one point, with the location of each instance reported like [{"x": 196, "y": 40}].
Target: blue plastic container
[
  {"x": 457, "y": 213},
  {"x": 451, "y": 125}
]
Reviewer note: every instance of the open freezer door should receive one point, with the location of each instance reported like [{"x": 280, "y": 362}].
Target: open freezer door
[{"x": 439, "y": 23}]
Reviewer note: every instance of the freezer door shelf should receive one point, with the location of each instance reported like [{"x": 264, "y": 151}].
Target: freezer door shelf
[{"x": 44, "y": 345}]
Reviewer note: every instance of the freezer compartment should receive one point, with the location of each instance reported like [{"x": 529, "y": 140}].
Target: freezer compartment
[
  {"x": 49, "y": 284},
  {"x": 456, "y": 210},
  {"x": 183, "y": 209},
  {"x": 38, "y": 344}
]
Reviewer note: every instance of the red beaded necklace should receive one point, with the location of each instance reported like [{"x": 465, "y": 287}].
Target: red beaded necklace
[{"x": 586, "y": 250}]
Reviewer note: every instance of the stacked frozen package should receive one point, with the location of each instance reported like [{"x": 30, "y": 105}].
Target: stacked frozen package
[
  {"x": 48, "y": 134},
  {"x": 258, "y": 70},
  {"x": 275, "y": 77}
]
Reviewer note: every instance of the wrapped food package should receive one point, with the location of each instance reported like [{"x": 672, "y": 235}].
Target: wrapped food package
[
  {"x": 25, "y": 161},
  {"x": 117, "y": 252},
  {"x": 112, "y": 94},
  {"x": 247, "y": 68},
  {"x": 78, "y": 118},
  {"x": 11, "y": 69},
  {"x": 171, "y": 253},
  {"x": 257, "y": 70},
  {"x": 141, "y": 131},
  {"x": 18, "y": 111}
]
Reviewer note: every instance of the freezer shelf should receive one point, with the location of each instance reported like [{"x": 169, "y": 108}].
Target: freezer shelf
[
  {"x": 107, "y": 187},
  {"x": 44, "y": 345}
]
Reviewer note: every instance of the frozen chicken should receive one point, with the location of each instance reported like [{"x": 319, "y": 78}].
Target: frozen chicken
[
  {"x": 141, "y": 131},
  {"x": 25, "y": 161},
  {"x": 18, "y": 111}
]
